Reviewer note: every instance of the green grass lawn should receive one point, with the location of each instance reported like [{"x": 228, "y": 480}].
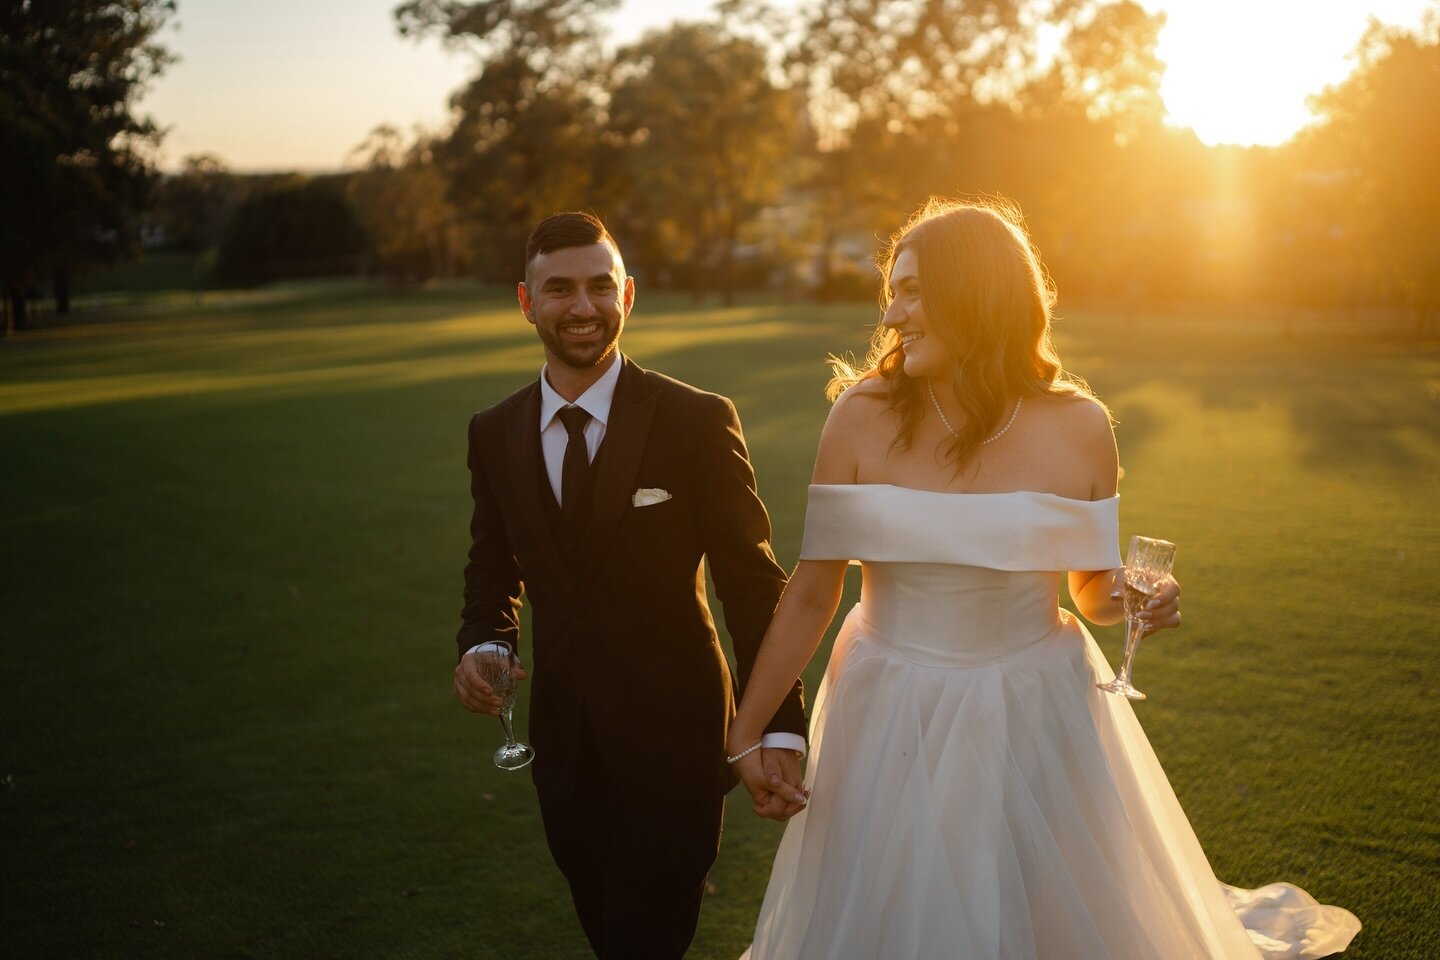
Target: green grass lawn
[{"x": 232, "y": 543}]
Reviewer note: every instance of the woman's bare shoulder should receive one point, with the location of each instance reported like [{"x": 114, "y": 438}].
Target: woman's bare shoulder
[
  {"x": 1079, "y": 414},
  {"x": 1079, "y": 427},
  {"x": 857, "y": 417},
  {"x": 861, "y": 403},
  {"x": 874, "y": 388}
]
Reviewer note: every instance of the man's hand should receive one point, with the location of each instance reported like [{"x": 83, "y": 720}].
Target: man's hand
[
  {"x": 775, "y": 783},
  {"x": 474, "y": 693}
]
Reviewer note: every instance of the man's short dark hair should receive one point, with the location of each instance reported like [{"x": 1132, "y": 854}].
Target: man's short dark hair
[{"x": 572, "y": 229}]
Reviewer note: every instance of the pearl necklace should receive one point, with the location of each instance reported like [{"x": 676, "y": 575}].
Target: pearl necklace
[{"x": 946, "y": 420}]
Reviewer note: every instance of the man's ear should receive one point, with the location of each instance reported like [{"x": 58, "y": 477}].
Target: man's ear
[
  {"x": 629, "y": 295},
  {"x": 522, "y": 293}
]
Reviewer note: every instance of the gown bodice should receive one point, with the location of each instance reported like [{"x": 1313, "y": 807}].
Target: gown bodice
[{"x": 957, "y": 579}]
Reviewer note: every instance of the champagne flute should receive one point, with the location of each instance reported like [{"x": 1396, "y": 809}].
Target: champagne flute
[
  {"x": 497, "y": 666},
  {"x": 1147, "y": 567}
]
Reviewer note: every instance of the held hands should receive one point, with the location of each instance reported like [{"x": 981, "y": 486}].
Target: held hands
[
  {"x": 1163, "y": 609},
  {"x": 473, "y": 692},
  {"x": 775, "y": 783}
]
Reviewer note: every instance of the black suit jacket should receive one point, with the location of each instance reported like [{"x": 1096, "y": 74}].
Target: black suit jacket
[{"x": 624, "y": 643}]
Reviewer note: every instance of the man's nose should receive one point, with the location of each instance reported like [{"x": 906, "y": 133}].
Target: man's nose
[{"x": 584, "y": 306}]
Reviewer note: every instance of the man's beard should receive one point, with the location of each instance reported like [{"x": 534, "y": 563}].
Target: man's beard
[{"x": 581, "y": 356}]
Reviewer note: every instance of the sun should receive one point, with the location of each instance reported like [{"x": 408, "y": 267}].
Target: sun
[{"x": 1240, "y": 71}]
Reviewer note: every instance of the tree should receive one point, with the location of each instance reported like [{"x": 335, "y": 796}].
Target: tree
[
  {"x": 1379, "y": 142},
  {"x": 400, "y": 198},
  {"x": 548, "y": 30},
  {"x": 292, "y": 227},
  {"x": 524, "y": 146},
  {"x": 1107, "y": 70},
  {"x": 526, "y": 138},
  {"x": 75, "y": 158},
  {"x": 195, "y": 204},
  {"x": 706, "y": 137},
  {"x": 900, "y": 91},
  {"x": 1099, "y": 167}
]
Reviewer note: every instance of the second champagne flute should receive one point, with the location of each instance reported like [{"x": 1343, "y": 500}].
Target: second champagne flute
[{"x": 1147, "y": 566}]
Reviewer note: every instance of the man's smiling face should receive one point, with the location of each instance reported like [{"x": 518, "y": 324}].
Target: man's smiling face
[{"x": 578, "y": 298}]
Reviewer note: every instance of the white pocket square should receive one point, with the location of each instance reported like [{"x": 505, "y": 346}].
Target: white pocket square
[{"x": 649, "y": 496}]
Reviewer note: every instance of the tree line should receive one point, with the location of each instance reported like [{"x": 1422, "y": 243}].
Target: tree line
[{"x": 773, "y": 146}]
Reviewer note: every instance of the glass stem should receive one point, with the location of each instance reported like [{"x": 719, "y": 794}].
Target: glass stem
[
  {"x": 1133, "y": 629},
  {"x": 509, "y": 728}
]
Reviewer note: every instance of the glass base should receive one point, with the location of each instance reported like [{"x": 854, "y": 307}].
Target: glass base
[
  {"x": 1121, "y": 689},
  {"x": 514, "y": 756}
]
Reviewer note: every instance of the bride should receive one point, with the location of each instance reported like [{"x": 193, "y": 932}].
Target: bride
[{"x": 973, "y": 795}]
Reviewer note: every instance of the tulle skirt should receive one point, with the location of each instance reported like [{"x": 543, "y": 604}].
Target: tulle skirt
[{"x": 1008, "y": 811}]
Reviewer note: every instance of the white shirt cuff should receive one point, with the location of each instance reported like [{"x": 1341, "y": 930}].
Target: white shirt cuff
[
  {"x": 784, "y": 741},
  {"x": 489, "y": 646}
]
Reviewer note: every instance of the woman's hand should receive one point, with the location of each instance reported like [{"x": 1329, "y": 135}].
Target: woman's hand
[
  {"x": 772, "y": 778},
  {"x": 1162, "y": 611}
]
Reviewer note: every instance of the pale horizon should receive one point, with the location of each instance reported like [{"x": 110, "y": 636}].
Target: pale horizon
[{"x": 272, "y": 87}]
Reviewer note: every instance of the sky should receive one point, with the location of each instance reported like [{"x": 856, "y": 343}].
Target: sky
[{"x": 276, "y": 85}]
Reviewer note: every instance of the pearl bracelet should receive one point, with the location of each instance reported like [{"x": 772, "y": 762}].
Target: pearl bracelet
[{"x": 744, "y": 753}]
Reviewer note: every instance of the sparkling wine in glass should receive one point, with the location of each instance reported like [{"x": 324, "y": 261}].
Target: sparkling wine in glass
[
  {"x": 1147, "y": 566},
  {"x": 498, "y": 668}
]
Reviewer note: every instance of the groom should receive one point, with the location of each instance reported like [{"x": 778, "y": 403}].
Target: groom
[{"x": 600, "y": 487}]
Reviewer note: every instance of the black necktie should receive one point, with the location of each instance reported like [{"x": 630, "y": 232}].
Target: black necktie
[{"x": 575, "y": 468}]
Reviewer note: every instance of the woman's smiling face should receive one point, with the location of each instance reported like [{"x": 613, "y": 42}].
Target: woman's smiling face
[{"x": 924, "y": 355}]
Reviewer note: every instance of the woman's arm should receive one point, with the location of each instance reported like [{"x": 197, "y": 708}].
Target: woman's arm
[
  {"x": 1098, "y": 594},
  {"x": 1095, "y": 592},
  {"x": 805, "y": 610}
]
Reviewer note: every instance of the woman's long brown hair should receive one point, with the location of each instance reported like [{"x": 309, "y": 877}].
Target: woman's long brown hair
[{"x": 987, "y": 298}]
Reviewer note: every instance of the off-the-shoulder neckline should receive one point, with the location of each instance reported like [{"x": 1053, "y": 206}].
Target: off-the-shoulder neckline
[{"x": 963, "y": 493}]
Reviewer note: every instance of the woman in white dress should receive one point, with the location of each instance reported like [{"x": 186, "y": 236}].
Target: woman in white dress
[{"x": 973, "y": 796}]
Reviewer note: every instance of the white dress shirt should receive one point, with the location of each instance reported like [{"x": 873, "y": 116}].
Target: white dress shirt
[{"x": 597, "y": 401}]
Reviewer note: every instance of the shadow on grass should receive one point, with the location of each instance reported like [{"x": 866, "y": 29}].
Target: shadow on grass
[{"x": 1346, "y": 400}]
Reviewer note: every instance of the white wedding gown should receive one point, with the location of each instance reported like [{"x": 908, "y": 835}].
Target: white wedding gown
[{"x": 974, "y": 796}]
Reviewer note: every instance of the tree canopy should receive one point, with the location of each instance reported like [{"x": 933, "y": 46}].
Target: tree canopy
[
  {"x": 291, "y": 227},
  {"x": 1380, "y": 145},
  {"x": 75, "y": 158}
]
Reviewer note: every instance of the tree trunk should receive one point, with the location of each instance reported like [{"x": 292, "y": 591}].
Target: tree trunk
[
  {"x": 698, "y": 266},
  {"x": 15, "y": 294},
  {"x": 727, "y": 265},
  {"x": 823, "y": 293},
  {"x": 832, "y": 200},
  {"x": 62, "y": 290}
]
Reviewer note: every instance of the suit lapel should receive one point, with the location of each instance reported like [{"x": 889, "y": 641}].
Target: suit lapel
[
  {"x": 630, "y": 415},
  {"x": 522, "y": 448}
]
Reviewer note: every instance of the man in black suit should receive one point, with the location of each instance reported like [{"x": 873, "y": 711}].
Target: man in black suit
[{"x": 600, "y": 487}]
